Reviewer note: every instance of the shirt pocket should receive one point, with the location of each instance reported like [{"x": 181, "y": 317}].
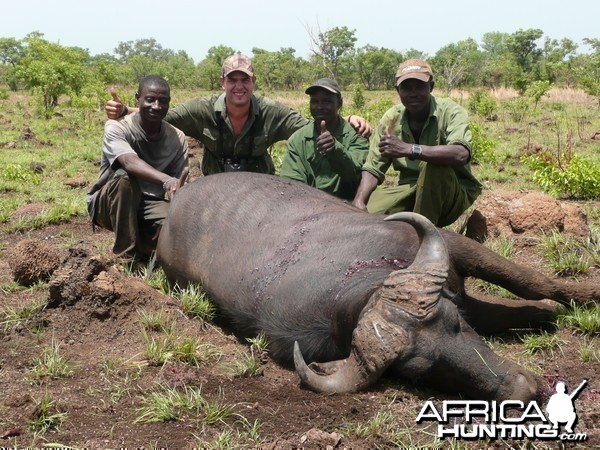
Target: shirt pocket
[
  {"x": 210, "y": 139},
  {"x": 261, "y": 144}
]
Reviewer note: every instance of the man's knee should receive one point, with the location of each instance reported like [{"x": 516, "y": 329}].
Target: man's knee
[{"x": 122, "y": 185}]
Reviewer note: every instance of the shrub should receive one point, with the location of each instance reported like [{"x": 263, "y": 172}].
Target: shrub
[
  {"x": 482, "y": 104},
  {"x": 563, "y": 173},
  {"x": 517, "y": 108},
  {"x": 537, "y": 90},
  {"x": 17, "y": 172},
  {"x": 483, "y": 147},
  {"x": 358, "y": 98}
]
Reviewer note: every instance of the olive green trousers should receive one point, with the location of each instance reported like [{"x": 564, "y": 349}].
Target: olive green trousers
[
  {"x": 134, "y": 217},
  {"x": 435, "y": 194}
]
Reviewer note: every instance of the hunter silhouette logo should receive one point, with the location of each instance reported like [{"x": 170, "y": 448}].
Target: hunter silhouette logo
[
  {"x": 514, "y": 419},
  {"x": 561, "y": 406}
]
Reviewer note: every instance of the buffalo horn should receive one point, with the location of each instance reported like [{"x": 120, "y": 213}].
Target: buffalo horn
[{"x": 377, "y": 340}]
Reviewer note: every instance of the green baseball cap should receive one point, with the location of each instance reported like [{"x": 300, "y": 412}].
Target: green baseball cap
[{"x": 324, "y": 83}]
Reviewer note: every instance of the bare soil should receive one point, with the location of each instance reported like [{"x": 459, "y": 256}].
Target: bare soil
[{"x": 97, "y": 325}]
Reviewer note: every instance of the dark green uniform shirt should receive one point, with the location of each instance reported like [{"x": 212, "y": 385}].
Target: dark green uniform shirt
[
  {"x": 448, "y": 123},
  {"x": 338, "y": 171},
  {"x": 268, "y": 122}
]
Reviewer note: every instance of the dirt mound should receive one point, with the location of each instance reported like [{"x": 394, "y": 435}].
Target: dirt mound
[
  {"x": 100, "y": 289},
  {"x": 523, "y": 212},
  {"x": 31, "y": 260}
]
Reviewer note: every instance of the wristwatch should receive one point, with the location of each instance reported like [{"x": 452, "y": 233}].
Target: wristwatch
[{"x": 416, "y": 152}]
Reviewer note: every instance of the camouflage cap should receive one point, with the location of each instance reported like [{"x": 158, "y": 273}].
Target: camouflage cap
[
  {"x": 324, "y": 83},
  {"x": 413, "y": 68},
  {"x": 238, "y": 63}
]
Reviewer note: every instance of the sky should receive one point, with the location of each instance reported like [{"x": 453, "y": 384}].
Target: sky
[{"x": 195, "y": 26}]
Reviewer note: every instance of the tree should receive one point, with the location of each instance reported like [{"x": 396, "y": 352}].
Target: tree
[
  {"x": 181, "y": 71},
  {"x": 147, "y": 48},
  {"x": 376, "y": 67},
  {"x": 106, "y": 68},
  {"x": 332, "y": 48},
  {"x": 52, "y": 70},
  {"x": 500, "y": 71},
  {"x": 589, "y": 79},
  {"x": 210, "y": 68},
  {"x": 495, "y": 44},
  {"x": 278, "y": 70},
  {"x": 556, "y": 60},
  {"x": 146, "y": 56},
  {"x": 457, "y": 64},
  {"x": 11, "y": 52},
  {"x": 522, "y": 44}
]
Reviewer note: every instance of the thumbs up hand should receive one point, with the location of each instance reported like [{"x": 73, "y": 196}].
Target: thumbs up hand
[
  {"x": 325, "y": 141},
  {"x": 115, "y": 108},
  {"x": 323, "y": 127}
]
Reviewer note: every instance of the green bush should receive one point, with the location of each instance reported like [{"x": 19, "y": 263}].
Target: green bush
[
  {"x": 482, "y": 104},
  {"x": 358, "y": 98},
  {"x": 565, "y": 174},
  {"x": 374, "y": 112},
  {"x": 517, "y": 108},
  {"x": 483, "y": 147},
  {"x": 4, "y": 94},
  {"x": 16, "y": 172}
]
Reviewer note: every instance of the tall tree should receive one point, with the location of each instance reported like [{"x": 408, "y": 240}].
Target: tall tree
[
  {"x": 495, "y": 44},
  {"x": 556, "y": 59},
  {"x": 278, "y": 70},
  {"x": 589, "y": 79},
  {"x": 457, "y": 64},
  {"x": 11, "y": 51},
  {"x": 334, "y": 47},
  {"x": 147, "y": 48},
  {"x": 376, "y": 67},
  {"x": 522, "y": 44}
]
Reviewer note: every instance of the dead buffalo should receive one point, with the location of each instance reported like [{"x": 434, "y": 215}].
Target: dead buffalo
[{"x": 358, "y": 293}]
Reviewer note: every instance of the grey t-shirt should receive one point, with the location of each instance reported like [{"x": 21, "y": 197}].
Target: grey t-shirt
[{"x": 167, "y": 153}]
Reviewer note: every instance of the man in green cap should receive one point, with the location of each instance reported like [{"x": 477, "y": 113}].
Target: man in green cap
[
  {"x": 236, "y": 128},
  {"x": 428, "y": 140},
  {"x": 328, "y": 153}
]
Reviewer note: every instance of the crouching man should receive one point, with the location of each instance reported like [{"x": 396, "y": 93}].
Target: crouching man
[
  {"x": 428, "y": 140},
  {"x": 327, "y": 153},
  {"x": 143, "y": 158}
]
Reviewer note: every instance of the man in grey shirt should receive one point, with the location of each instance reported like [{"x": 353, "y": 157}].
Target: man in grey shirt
[{"x": 143, "y": 158}]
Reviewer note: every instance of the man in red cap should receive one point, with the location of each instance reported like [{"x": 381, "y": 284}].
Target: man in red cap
[
  {"x": 236, "y": 128},
  {"x": 428, "y": 141}
]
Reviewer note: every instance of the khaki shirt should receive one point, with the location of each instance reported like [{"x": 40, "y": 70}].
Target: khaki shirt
[
  {"x": 448, "y": 124},
  {"x": 268, "y": 122}
]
